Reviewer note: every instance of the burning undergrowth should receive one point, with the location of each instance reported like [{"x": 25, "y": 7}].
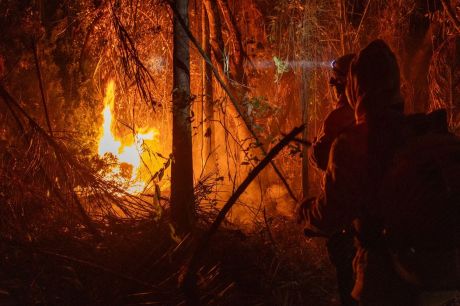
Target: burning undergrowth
[
  {"x": 72, "y": 235},
  {"x": 41, "y": 168}
]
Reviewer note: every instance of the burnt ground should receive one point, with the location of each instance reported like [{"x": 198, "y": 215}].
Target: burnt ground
[{"x": 139, "y": 263}]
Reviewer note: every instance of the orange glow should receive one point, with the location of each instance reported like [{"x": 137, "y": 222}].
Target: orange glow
[{"x": 132, "y": 169}]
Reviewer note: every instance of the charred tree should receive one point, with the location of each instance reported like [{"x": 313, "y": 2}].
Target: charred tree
[{"x": 182, "y": 198}]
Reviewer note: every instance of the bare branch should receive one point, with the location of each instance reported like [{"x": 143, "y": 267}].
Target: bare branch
[{"x": 190, "y": 277}]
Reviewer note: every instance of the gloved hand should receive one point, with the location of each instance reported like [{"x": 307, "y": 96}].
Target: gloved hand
[
  {"x": 301, "y": 214},
  {"x": 302, "y": 208}
]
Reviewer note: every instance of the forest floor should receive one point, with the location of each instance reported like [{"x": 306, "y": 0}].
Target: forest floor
[{"x": 140, "y": 263}]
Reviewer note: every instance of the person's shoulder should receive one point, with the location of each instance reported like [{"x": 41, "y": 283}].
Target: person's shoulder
[
  {"x": 338, "y": 120},
  {"x": 340, "y": 113},
  {"x": 354, "y": 132},
  {"x": 353, "y": 140}
]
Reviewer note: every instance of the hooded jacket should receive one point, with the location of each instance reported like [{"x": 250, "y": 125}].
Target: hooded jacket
[
  {"x": 359, "y": 156},
  {"x": 357, "y": 163},
  {"x": 338, "y": 120},
  {"x": 360, "y": 188}
]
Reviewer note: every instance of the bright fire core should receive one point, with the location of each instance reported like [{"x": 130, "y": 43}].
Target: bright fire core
[{"x": 134, "y": 168}]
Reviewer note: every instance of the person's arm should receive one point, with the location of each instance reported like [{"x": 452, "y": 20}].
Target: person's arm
[
  {"x": 338, "y": 205},
  {"x": 320, "y": 149},
  {"x": 334, "y": 124}
]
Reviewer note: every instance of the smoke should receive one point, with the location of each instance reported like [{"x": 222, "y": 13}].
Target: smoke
[
  {"x": 268, "y": 64},
  {"x": 158, "y": 64}
]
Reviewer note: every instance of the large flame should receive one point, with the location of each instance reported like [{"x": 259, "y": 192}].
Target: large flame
[{"x": 128, "y": 150}]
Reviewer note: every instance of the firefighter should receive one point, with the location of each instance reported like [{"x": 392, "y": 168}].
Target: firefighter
[
  {"x": 340, "y": 245},
  {"x": 356, "y": 165},
  {"x": 339, "y": 119}
]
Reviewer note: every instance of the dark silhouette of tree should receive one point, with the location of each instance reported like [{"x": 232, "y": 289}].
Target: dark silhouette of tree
[{"x": 182, "y": 199}]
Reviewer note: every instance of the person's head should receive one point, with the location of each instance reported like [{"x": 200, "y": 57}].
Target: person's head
[
  {"x": 373, "y": 80},
  {"x": 340, "y": 68}
]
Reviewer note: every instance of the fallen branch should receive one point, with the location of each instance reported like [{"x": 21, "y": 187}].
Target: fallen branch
[{"x": 189, "y": 284}]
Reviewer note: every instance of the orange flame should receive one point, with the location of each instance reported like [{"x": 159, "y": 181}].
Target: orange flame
[{"x": 128, "y": 150}]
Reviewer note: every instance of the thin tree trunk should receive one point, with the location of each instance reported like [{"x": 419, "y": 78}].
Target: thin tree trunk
[
  {"x": 182, "y": 199},
  {"x": 419, "y": 70},
  {"x": 209, "y": 141},
  {"x": 235, "y": 35},
  {"x": 215, "y": 28},
  {"x": 218, "y": 50}
]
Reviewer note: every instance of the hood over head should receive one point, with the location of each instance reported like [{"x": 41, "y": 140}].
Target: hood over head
[
  {"x": 373, "y": 83},
  {"x": 340, "y": 68}
]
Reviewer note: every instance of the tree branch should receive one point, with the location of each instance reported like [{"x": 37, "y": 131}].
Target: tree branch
[{"x": 189, "y": 283}]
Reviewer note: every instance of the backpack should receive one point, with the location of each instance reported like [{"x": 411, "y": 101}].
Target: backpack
[{"x": 420, "y": 204}]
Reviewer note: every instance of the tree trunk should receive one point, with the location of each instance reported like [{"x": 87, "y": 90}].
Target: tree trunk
[
  {"x": 215, "y": 26},
  {"x": 236, "y": 59},
  {"x": 234, "y": 89},
  {"x": 182, "y": 198},
  {"x": 218, "y": 50},
  {"x": 209, "y": 141}
]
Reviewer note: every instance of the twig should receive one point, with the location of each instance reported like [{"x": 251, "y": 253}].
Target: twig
[
  {"x": 361, "y": 22},
  {"x": 451, "y": 14},
  {"x": 269, "y": 231},
  {"x": 89, "y": 31},
  {"x": 131, "y": 62},
  {"x": 231, "y": 96},
  {"x": 189, "y": 284}
]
